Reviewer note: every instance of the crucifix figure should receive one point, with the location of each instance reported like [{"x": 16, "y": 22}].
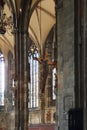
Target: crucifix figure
[{"x": 45, "y": 62}]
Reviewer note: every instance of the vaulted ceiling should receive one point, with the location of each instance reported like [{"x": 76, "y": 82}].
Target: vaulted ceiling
[
  {"x": 41, "y": 22},
  {"x": 42, "y": 19}
]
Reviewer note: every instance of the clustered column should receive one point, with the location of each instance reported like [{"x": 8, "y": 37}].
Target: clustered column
[{"x": 21, "y": 80}]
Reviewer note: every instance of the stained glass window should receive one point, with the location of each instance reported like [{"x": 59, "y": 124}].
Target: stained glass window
[
  {"x": 54, "y": 78},
  {"x": 33, "y": 85},
  {"x": 2, "y": 78}
]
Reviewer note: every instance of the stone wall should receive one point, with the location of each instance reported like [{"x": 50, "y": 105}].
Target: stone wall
[
  {"x": 35, "y": 116},
  {"x": 7, "y": 120},
  {"x": 65, "y": 39}
]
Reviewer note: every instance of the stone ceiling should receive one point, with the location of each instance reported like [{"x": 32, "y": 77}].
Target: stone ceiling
[{"x": 41, "y": 21}]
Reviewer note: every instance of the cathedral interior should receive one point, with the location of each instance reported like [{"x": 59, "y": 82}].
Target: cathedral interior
[{"x": 43, "y": 65}]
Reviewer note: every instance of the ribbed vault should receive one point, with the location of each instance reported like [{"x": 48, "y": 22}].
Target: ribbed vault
[{"x": 42, "y": 19}]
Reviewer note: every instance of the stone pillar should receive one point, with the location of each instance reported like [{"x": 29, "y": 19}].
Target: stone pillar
[
  {"x": 56, "y": 55},
  {"x": 81, "y": 57},
  {"x": 16, "y": 83},
  {"x": 84, "y": 60},
  {"x": 6, "y": 81},
  {"x": 21, "y": 80},
  {"x": 65, "y": 39},
  {"x": 42, "y": 91},
  {"x": 42, "y": 109}
]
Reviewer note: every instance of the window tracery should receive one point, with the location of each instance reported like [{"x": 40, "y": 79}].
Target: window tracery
[
  {"x": 33, "y": 85},
  {"x": 2, "y": 78}
]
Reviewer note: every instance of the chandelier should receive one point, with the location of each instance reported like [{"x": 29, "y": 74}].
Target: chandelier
[{"x": 6, "y": 23}]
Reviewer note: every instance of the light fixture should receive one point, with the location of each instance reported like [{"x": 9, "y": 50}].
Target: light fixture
[{"x": 6, "y": 23}]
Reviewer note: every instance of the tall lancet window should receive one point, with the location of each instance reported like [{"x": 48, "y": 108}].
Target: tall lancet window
[
  {"x": 54, "y": 83},
  {"x": 2, "y": 78},
  {"x": 34, "y": 83}
]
